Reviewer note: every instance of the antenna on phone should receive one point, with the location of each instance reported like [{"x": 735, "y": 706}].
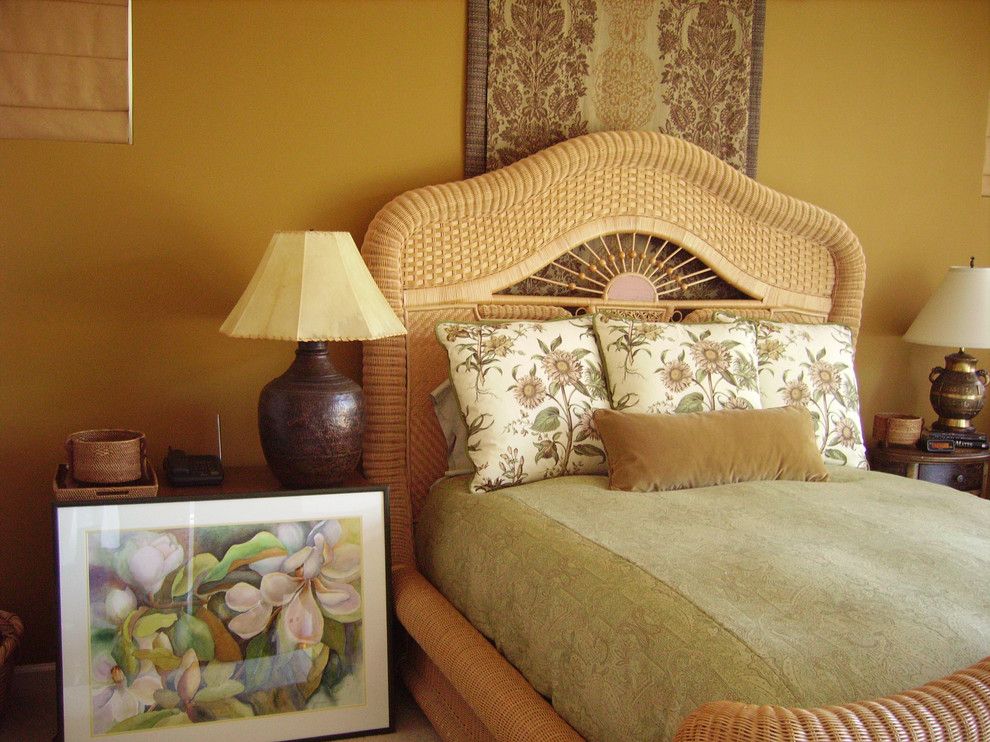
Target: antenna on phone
[{"x": 219, "y": 443}]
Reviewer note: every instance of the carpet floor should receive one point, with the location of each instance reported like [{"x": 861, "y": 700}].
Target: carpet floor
[{"x": 30, "y": 714}]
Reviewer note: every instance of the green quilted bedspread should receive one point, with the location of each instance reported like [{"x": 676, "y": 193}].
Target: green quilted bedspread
[{"x": 629, "y": 610}]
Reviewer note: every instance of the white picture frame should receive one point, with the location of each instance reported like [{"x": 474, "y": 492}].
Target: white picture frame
[{"x": 259, "y": 617}]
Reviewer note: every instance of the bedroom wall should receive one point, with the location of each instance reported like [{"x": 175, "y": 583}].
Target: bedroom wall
[
  {"x": 118, "y": 263},
  {"x": 877, "y": 111}
]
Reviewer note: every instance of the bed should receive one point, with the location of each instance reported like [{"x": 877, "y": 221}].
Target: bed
[{"x": 508, "y": 245}]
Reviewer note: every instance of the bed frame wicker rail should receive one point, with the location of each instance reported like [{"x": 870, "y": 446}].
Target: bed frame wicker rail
[{"x": 508, "y": 245}]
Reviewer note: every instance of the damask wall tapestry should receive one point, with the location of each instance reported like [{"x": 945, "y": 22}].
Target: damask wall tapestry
[{"x": 540, "y": 71}]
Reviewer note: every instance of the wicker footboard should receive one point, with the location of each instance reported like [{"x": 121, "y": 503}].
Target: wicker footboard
[
  {"x": 448, "y": 712},
  {"x": 469, "y": 673},
  {"x": 955, "y": 708}
]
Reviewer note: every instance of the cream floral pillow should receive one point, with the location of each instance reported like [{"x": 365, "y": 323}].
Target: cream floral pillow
[
  {"x": 667, "y": 367},
  {"x": 811, "y": 366},
  {"x": 527, "y": 391}
]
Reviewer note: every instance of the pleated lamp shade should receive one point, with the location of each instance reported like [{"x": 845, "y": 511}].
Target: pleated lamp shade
[{"x": 312, "y": 286}]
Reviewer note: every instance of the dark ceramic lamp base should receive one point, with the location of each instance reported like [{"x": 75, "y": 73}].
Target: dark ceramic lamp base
[{"x": 311, "y": 421}]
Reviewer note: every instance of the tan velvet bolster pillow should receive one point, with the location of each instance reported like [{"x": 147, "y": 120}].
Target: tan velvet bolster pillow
[{"x": 647, "y": 453}]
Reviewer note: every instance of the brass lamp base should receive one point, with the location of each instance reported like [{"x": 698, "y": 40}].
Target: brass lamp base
[{"x": 957, "y": 392}]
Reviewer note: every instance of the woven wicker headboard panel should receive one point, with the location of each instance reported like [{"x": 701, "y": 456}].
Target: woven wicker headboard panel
[{"x": 445, "y": 252}]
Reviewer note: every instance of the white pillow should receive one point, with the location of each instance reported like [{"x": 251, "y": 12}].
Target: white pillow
[
  {"x": 527, "y": 391},
  {"x": 812, "y": 366},
  {"x": 669, "y": 367}
]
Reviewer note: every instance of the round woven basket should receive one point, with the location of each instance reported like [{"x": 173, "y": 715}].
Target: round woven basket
[
  {"x": 11, "y": 630},
  {"x": 897, "y": 430},
  {"x": 105, "y": 456}
]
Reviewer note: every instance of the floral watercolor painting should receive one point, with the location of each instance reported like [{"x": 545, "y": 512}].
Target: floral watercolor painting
[{"x": 223, "y": 622}]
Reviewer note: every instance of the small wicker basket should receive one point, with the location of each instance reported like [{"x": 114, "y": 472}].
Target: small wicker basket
[
  {"x": 105, "y": 456},
  {"x": 897, "y": 430},
  {"x": 11, "y": 630}
]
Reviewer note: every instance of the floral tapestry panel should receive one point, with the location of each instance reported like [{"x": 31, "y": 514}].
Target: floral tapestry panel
[
  {"x": 541, "y": 71},
  {"x": 667, "y": 367},
  {"x": 527, "y": 391},
  {"x": 812, "y": 366}
]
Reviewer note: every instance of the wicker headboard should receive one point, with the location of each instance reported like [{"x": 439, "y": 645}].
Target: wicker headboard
[{"x": 548, "y": 236}]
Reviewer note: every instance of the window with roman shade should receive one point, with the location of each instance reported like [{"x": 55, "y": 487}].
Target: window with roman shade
[
  {"x": 986, "y": 158},
  {"x": 65, "y": 70}
]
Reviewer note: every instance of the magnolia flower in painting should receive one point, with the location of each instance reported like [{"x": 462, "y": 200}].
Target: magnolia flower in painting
[
  {"x": 310, "y": 583},
  {"x": 116, "y": 699},
  {"x": 147, "y": 558},
  {"x": 254, "y": 611},
  {"x": 119, "y": 604},
  {"x": 292, "y": 536},
  {"x": 188, "y": 676},
  {"x": 157, "y": 642},
  {"x": 194, "y": 684}
]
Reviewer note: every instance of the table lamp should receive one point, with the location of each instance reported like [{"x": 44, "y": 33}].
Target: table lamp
[
  {"x": 958, "y": 314},
  {"x": 312, "y": 287}
]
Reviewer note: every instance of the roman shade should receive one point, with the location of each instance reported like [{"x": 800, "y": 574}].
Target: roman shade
[
  {"x": 986, "y": 159},
  {"x": 65, "y": 70}
]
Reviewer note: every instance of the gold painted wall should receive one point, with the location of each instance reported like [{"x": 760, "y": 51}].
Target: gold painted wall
[
  {"x": 876, "y": 111},
  {"x": 118, "y": 263}
]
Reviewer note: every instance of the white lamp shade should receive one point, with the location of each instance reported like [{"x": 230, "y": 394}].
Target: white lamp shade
[
  {"x": 958, "y": 314},
  {"x": 312, "y": 286}
]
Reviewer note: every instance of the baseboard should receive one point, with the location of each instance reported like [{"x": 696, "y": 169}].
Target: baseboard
[
  {"x": 32, "y": 682},
  {"x": 36, "y": 669}
]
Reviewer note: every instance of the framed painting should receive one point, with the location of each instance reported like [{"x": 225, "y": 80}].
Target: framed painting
[{"x": 257, "y": 617}]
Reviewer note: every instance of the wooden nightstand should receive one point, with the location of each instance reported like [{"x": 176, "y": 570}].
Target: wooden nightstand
[
  {"x": 963, "y": 470},
  {"x": 239, "y": 480}
]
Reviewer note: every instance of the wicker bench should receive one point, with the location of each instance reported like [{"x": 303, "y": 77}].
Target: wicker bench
[{"x": 11, "y": 630}]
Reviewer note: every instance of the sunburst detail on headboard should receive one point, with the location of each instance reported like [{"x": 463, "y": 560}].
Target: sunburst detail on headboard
[{"x": 627, "y": 266}]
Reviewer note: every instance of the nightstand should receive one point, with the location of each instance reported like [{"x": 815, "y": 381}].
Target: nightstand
[
  {"x": 967, "y": 470},
  {"x": 240, "y": 480}
]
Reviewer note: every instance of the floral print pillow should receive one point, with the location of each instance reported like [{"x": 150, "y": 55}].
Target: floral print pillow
[
  {"x": 667, "y": 367},
  {"x": 527, "y": 391},
  {"x": 811, "y": 366}
]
